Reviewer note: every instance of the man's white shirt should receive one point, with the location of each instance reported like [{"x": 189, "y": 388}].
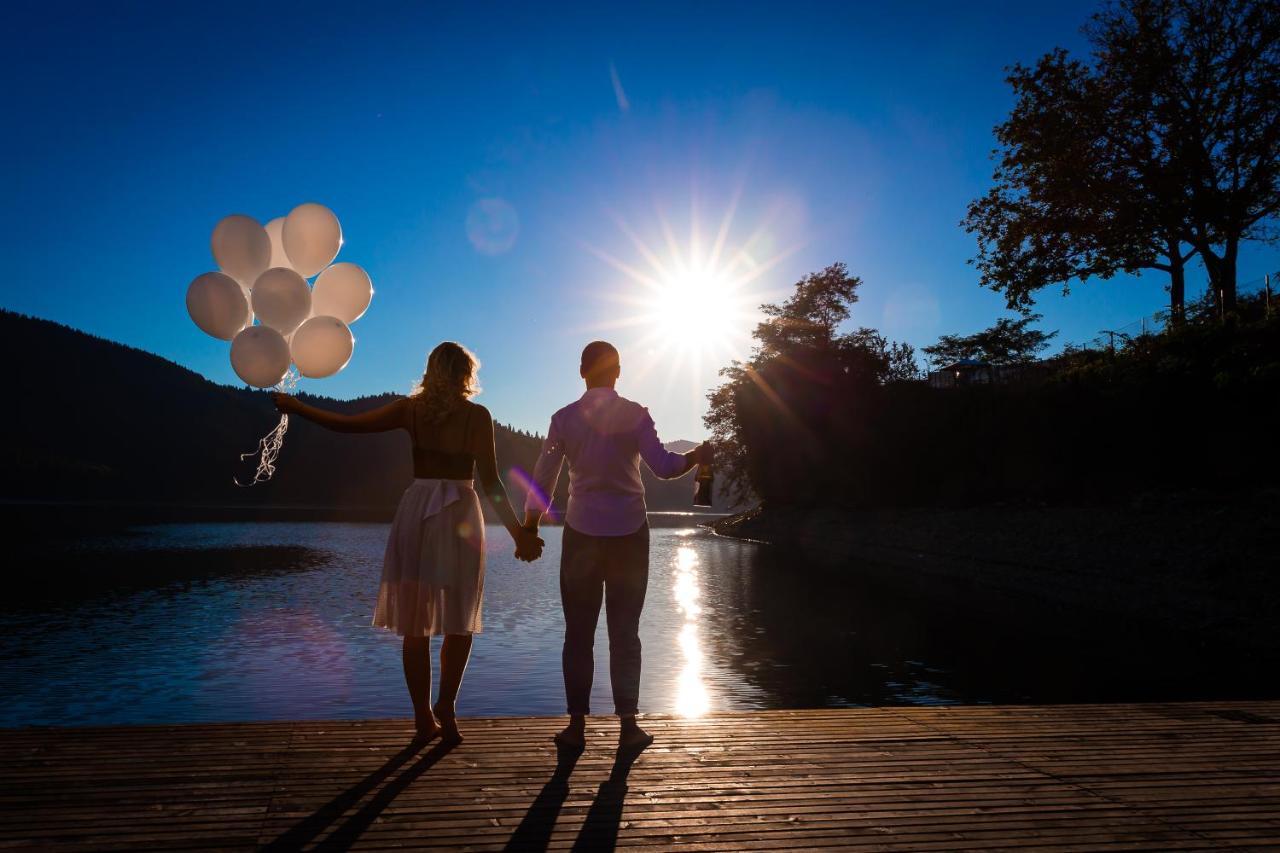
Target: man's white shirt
[{"x": 604, "y": 436}]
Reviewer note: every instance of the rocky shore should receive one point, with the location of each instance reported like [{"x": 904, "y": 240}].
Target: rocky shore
[{"x": 1206, "y": 564}]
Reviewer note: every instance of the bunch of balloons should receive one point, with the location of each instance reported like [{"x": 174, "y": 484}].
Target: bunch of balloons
[{"x": 261, "y": 301}]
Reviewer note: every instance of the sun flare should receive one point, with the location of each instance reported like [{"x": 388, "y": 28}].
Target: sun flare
[
  {"x": 691, "y": 303},
  {"x": 697, "y": 309}
]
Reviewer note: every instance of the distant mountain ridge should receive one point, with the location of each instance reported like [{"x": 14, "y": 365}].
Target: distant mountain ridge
[{"x": 104, "y": 421}]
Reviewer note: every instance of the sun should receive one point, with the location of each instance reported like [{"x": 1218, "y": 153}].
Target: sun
[
  {"x": 690, "y": 303},
  {"x": 690, "y": 312},
  {"x": 698, "y": 309}
]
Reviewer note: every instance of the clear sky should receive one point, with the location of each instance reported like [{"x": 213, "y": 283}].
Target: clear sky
[{"x": 593, "y": 143}]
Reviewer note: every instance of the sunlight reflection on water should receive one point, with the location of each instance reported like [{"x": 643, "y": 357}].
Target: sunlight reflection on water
[{"x": 692, "y": 699}]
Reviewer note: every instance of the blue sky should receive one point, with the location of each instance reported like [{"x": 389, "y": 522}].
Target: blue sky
[{"x": 833, "y": 132}]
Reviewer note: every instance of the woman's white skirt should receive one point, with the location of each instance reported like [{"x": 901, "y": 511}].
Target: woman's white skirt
[{"x": 433, "y": 571}]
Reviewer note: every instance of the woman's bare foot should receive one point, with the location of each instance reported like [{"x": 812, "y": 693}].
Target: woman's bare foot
[
  {"x": 448, "y": 724},
  {"x": 574, "y": 735},
  {"x": 631, "y": 736},
  {"x": 426, "y": 728}
]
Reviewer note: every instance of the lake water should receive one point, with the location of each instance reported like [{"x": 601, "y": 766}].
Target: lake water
[{"x": 278, "y": 628}]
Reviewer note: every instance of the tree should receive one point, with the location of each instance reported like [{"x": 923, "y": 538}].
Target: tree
[
  {"x": 1079, "y": 191},
  {"x": 811, "y": 317},
  {"x": 1007, "y": 342},
  {"x": 892, "y": 361},
  {"x": 800, "y": 370},
  {"x": 1164, "y": 147},
  {"x": 820, "y": 303},
  {"x": 1060, "y": 209},
  {"x": 721, "y": 420},
  {"x": 1205, "y": 77},
  {"x": 807, "y": 320}
]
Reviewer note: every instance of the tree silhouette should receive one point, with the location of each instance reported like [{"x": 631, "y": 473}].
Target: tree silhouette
[
  {"x": 811, "y": 315},
  {"x": 1009, "y": 341},
  {"x": 1064, "y": 206},
  {"x": 1202, "y": 79},
  {"x": 1164, "y": 147},
  {"x": 893, "y": 361},
  {"x": 801, "y": 364}
]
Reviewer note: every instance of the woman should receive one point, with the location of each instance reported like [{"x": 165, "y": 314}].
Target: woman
[{"x": 433, "y": 570}]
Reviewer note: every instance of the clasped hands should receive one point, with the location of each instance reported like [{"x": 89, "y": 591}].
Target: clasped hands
[{"x": 529, "y": 544}]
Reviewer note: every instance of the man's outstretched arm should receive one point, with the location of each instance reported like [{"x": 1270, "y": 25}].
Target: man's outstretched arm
[
  {"x": 546, "y": 474},
  {"x": 665, "y": 464}
]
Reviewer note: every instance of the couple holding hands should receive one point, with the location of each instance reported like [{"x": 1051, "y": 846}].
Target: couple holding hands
[{"x": 433, "y": 571}]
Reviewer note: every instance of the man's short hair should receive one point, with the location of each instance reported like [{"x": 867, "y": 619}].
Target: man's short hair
[{"x": 598, "y": 358}]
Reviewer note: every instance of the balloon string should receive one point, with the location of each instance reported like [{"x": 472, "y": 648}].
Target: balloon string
[
  {"x": 268, "y": 452},
  {"x": 270, "y": 445}
]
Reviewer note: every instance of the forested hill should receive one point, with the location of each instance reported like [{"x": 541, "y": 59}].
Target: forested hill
[{"x": 100, "y": 421}]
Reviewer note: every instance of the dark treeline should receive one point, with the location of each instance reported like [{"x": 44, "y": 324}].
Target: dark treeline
[
  {"x": 820, "y": 416},
  {"x": 104, "y": 422}
]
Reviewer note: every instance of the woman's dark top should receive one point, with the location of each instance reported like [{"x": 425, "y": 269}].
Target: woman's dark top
[{"x": 430, "y": 462}]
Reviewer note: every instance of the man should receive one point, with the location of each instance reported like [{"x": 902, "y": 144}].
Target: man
[{"x": 605, "y": 552}]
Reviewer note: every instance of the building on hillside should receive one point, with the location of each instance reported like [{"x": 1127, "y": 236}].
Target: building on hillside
[{"x": 968, "y": 372}]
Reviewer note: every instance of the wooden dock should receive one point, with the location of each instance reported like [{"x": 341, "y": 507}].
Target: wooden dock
[{"x": 1113, "y": 777}]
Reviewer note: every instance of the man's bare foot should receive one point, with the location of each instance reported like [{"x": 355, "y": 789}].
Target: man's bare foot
[
  {"x": 448, "y": 724},
  {"x": 631, "y": 736},
  {"x": 574, "y": 735}
]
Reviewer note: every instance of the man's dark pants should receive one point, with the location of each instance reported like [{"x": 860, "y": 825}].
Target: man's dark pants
[{"x": 615, "y": 569}]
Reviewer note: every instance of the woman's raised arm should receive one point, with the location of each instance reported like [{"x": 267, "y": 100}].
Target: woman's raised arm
[{"x": 394, "y": 415}]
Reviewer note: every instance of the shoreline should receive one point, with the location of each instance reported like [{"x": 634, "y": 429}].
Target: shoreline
[
  {"x": 1204, "y": 564},
  {"x": 89, "y": 516}
]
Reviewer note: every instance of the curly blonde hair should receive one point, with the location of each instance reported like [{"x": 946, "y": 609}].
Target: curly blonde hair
[{"x": 448, "y": 382}]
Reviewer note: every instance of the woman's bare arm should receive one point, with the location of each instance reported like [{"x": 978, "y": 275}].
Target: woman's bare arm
[
  {"x": 486, "y": 456},
  {"x": 394, "y": 415}
]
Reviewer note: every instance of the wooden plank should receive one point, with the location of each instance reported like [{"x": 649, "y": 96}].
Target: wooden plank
[{"x": 1164, "y": 776}]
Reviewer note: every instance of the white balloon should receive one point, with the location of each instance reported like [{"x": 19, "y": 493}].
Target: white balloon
[
  {"x": 218, "y": 305},
  {"x": 260, "y": 356},
  {"x": 241, "y": 247},
  {"x": 344, "y": 291},
  {"x": 321, "y": 347},
  {"x": 275, "y": 232},
  {"x": 311, "y": 237},
  {"x": 248, "y": 300},
  {"x": 281, "y": 299}
]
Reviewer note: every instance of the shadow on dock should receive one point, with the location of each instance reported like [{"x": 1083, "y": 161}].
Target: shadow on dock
[
  {"x": 312, "y": 826},
  {"x": 600, "y": 827}
]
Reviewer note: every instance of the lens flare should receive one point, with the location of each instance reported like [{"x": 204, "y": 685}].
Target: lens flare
[
  {"x": 492, "y": 226},
  {"x": 527, "y": 487}
]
